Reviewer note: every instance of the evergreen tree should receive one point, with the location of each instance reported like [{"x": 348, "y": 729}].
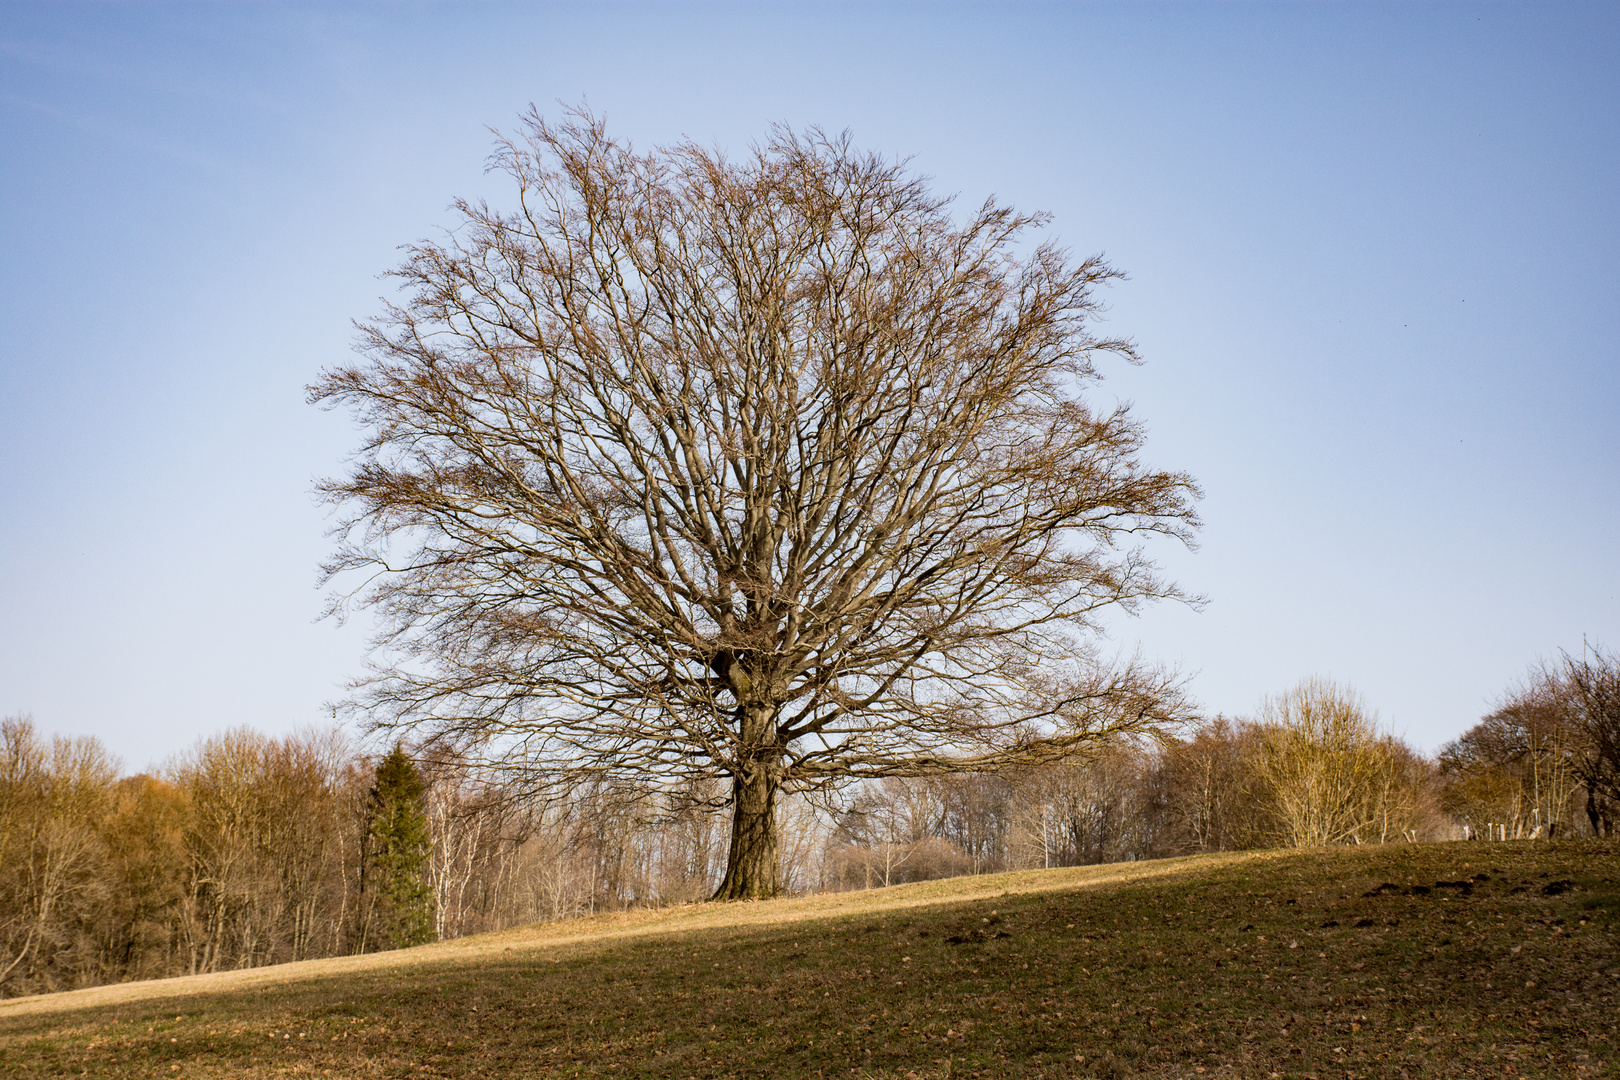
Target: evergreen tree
[{"x": 398, "y": 902}]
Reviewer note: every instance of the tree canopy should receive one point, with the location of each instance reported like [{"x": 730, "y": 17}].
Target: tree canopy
[{"x": 771, "y": 469}]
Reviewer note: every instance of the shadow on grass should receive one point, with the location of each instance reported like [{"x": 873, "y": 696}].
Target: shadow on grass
[{"x": 1432, "y": 960}]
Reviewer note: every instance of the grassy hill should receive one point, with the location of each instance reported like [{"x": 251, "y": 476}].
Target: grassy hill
[{"x": 1428, "y": 960}]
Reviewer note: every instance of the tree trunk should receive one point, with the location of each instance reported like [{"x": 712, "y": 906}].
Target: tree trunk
[
  {"x": 752, "y": 872},
  {"x": 1595, "y": 814}
]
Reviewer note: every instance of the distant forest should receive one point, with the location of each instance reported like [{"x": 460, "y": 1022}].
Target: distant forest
[{"x": 249, "y": 850}]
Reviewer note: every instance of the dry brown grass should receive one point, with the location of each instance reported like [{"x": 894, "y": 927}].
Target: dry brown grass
[{"x": 1254, "y": 965}]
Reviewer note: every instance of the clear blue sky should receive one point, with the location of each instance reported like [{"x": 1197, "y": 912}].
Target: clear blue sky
[{"x": 1373, "y": 255}]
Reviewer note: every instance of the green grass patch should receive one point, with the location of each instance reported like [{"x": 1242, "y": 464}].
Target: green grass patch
[{"x": 1419, "y": 961}]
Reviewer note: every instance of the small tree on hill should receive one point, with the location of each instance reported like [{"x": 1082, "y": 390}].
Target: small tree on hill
[
  {"x": 396, "y": 896},
  {"x": 1332, "y": 776}
]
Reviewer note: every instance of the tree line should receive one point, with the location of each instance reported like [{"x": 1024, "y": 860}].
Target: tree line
[
  {"x": 244, "y": 851},
  {"x": 249, "y": 850}
]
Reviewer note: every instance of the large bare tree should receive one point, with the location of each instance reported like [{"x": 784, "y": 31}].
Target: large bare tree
[{"x": 769, "y": 469}]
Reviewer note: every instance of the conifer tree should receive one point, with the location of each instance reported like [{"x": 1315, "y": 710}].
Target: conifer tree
[{"x": 398, "y": 902}]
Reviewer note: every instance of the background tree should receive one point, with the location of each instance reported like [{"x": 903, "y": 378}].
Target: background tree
[
  {"x": 1515, "y": 770},
  {"x": 1557, "y": 733},
  {"x": 769, "y": 470},
  {"x": 1217, "y": 800},
  {"x": 307, "y": 805},
  {"x": 976, "y": 817},
  {"x": 141, "y": 927},
  {"x": 250, "y": 850},
  {"x": 395, "y": 890},
  {"x": 1104, "y": 808},
  {"x": 881, "y": 831},
  {"x": 54, "y": 795},
  {"x": 1589, "y": 687},
  {"x": 1331, "y": 775},
  {"x": 230, "y": 887}
]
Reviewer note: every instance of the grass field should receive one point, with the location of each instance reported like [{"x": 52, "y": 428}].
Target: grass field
[{"x": 1427, "y": 960}]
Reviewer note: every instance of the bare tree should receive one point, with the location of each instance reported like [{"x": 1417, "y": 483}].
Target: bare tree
[
  {"x": 1556, "y": 733},
  {"x": 230, "y": 885},
  {"x": 308, "y": 820},
  {"x": 882, "y": 829},
  {"x": 466, "y": 863},
  {"x": 977, "y": 817},
  {"x": 1331, "y": 776},
  {"x": 54, "y": 795},
  {"x": 140, "y": 929},
  {"x": 1098, "y": 809},
  {"x": 1217, "y": 801},
  {"x": 804, "y": 841},
  {"x": 766, "y": 469},
  {"x": 1516, "y": 769},
  {"x": 558, "y": 881},
  {"x": 1590, "y": 690}
]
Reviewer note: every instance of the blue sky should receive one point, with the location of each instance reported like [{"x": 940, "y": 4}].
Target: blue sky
[{"x": 1372, "y": 251}]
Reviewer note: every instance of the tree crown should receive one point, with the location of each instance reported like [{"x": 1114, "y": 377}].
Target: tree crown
[{"x": 686, "y": 463}]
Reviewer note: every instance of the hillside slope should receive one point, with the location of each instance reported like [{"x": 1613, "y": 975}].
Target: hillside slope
[{"x": 1427, "y": 960}]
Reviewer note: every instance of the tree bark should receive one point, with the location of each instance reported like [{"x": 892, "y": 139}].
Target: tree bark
[{"x": 752, "y": 865}]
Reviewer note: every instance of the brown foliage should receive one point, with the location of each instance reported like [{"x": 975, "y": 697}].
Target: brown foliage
[
  {"x": 1330, "y": 776},
  {"x": 1546, "y": 761},
  {"x": 54, "y": 795}
]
